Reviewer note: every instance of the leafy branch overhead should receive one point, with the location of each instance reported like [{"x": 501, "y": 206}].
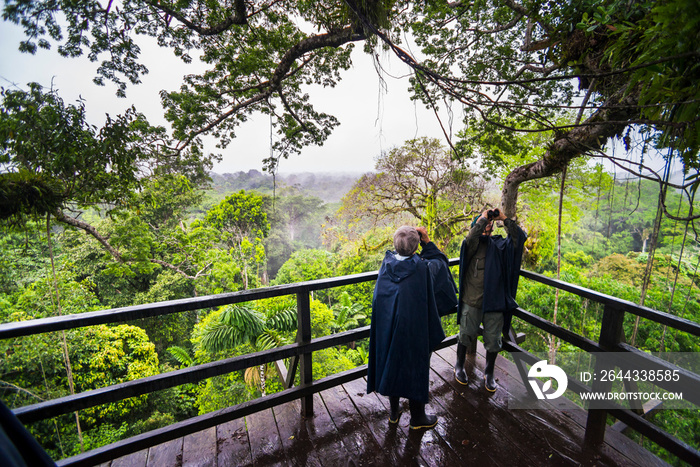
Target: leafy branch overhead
[{"x": 587, "y": 71}]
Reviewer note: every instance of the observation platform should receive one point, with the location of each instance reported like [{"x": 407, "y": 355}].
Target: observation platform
[{"x": 351, "y": 428}]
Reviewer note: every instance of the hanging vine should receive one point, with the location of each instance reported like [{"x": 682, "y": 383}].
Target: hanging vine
[
  {"x": 56, "y": 301},
  {"x": 652, "y": 246}
]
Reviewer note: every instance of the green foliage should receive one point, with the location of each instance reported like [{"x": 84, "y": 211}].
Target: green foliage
[
  {"x": 500, "y": 150},
  {"x": 38, "y": 300},
  {"x": 618, "y": 276},
  {"x": 54, "y": 157},
  {"x": 680, "y": 423},
  {"x": 359, "y": 355},
  {"x": 243, "y": 222},
  {"x": 327, "y": 362},
  {"x": 642, "y": 33},
  {"x": 224, "y": 391},
  {"x": 321, "y": 319},
  {"x": 24, "y": 193},
  {"x": 179, "y": 402},
  {"x": 450, "y": 325},
  {"x": 348, "y": 315},
  {"x": 578, "y": 259},
  {"x": 244, "y": 329},
  {"x": 60, "y": 155},
  {"x": 100, "y": 356},
  {"x": 624, "y": 269},
  {"x": 111, "y": 355},
  {"x": 171, "y": 329},
  {"x": 236, "y": 325},
  {"x": 280, "y": 315},
  {"x": 360, "y": 294},
  {"x": 308, "y": 265},
  {"x": 164, "y": 201},
  {"x": 182, "y": 356},
  {"x": 241, "y": 215},
  {"x": 223, "y": 273},
  {"x": 296, "y": 221},
  {"x": 23, "y": 257}
]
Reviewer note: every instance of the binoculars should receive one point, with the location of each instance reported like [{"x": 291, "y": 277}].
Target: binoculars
[{"x": 492, "y": 214}]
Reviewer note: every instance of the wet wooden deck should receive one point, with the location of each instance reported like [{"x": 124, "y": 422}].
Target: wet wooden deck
[{"x": 351, "y": 428}]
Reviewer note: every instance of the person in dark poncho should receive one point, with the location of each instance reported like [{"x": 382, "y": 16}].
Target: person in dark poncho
[
  {"x": 489, "y": 268},
  {"x": 406, "y": 324},
  {"x": 18, "y": 448}
]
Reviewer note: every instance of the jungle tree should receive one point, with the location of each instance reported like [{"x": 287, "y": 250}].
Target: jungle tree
[
  {"x": 242, "y": 218},
  {"x": 54, "y": 163},
  {"x": 419, "y": 179}
]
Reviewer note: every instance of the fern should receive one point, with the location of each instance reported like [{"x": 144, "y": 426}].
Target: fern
[{"x": 181, "y": 355}]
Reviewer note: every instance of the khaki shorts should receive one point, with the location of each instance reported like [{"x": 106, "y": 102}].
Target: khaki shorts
[{"x": 469, "y": 327}]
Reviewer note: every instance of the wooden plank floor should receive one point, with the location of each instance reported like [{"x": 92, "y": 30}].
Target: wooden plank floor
[{"x": 351, "y": 428}]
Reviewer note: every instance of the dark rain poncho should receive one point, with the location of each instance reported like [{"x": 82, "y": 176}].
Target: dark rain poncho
[
  {"x": 443, "y": 283},
  {"x": 405, "y": 329}
]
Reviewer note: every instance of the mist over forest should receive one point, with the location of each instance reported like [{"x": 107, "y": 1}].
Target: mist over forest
[{"x": 329, "y": 187}]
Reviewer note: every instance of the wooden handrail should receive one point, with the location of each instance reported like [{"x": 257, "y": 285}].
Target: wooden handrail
[
  {"x": 130, "y": 313},
  {"x": 193, "y": 374},
  {"x": 660, "y": 317}
]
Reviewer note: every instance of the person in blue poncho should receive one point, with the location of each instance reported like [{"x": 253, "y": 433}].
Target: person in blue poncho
[
  {"x": 489, "y": 268},
  {"x": 406, "y": 324}
]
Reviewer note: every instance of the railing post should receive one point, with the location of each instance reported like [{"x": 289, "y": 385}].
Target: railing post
[
  {"x": 303, "y": 337},
  {"x": 610, "y": 336}
]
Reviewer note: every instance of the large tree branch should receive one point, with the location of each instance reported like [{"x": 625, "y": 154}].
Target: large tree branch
[
  {"x": 82, "y": 225},
  {"x": 283, "y": 70},
  {"x": 20, "y": 389},
  {"x": 62, "y": 217},
  {"x": 319, "y": 41},
  {"x": 239, "y": 17},
  {"x": 180, "y": 271},
  {"x": 601, "y": 126}
]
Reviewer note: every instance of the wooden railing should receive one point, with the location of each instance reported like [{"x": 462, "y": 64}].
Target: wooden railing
[
  {"x": 611, "y": 341},
  {"x": 301, "y": 353}
]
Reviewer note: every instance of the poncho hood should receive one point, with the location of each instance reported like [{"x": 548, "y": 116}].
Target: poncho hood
[{"x": 398, "y": 270}]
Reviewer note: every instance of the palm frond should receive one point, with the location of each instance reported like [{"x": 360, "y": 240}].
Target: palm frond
[
  {"x": 247, "y": 320},
  {"x": 271, "y": 338},
  {"x": 219, "y": 337},
  {"x": 236, "y": 325},
  {"x": 251, "y": 376},
  {"x": 282, "y": 318}
]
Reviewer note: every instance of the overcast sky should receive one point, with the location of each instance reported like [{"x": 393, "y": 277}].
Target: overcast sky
[{"x": 371, "y": 120}]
